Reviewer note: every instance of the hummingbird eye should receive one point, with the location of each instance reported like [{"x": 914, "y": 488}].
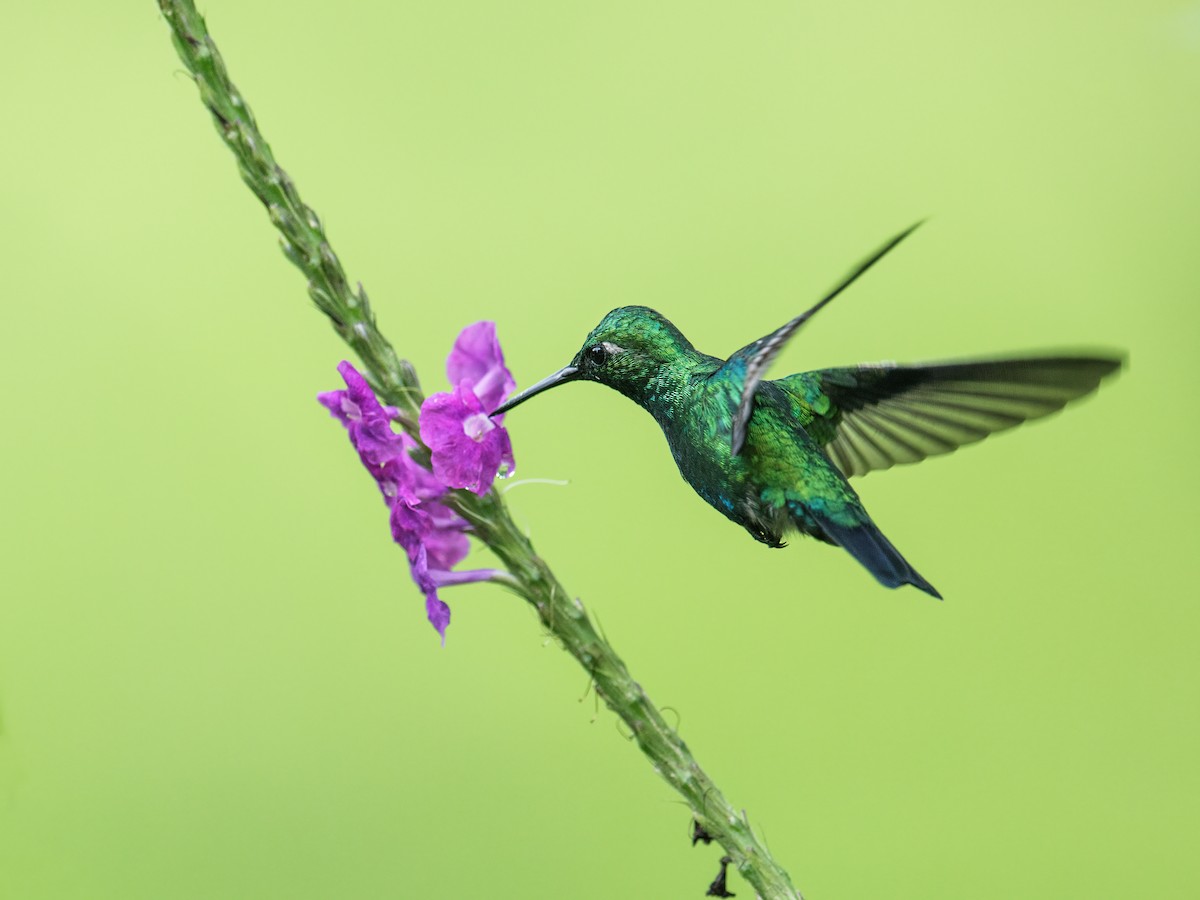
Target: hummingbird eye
[{"x": 597, "y": 354}]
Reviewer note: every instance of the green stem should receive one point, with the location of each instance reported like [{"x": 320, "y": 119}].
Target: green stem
[{"x": 305, "y": 244}]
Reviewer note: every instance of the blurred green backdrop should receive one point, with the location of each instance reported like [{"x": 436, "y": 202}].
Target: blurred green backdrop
[{"x": 215, "y": 675}]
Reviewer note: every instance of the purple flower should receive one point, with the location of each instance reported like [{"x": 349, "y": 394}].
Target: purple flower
[
  {"x": 432, "y": 534},
  {"x": 429, "y": 578},
  {"x": 468, "y": 447},
  {"x": 476, "y": 358},
  {"x": 369, "y": 424}
]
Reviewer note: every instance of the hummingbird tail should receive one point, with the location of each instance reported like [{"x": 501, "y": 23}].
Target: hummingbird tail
[{"x": 867, "y": 544}]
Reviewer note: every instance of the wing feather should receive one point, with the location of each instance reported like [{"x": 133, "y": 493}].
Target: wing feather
[
  {"x": 880, "y": 415},
  {"x": 747, "y": 366}
]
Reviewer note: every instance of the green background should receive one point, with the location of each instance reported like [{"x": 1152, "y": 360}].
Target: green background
[{"x": 216, "y": 679}]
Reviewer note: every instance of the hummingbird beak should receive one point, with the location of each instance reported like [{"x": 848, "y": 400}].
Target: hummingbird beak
[{"x": 562, "y": 375}]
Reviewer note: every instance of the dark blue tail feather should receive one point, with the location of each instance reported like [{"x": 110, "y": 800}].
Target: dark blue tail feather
[{"x": 867, "y": 544}]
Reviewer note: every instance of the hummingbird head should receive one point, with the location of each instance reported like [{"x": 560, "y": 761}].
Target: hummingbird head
[{"x": 629, "y": 346}]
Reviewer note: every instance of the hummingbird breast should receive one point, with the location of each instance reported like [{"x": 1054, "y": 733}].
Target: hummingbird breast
[{"x": 696, "y": 416}]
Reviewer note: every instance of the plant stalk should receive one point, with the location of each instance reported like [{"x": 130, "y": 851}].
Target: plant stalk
[{"x": 304, "y": 242}]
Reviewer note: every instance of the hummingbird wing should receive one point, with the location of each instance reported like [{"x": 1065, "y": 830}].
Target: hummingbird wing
[
  {"x": 876, "y": 416},
  {"x": 748, "y": 365}
]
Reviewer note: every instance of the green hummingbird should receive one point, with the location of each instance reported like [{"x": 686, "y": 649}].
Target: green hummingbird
[{"x": 776, "y": 456}]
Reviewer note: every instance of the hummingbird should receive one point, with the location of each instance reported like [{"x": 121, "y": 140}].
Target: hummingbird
[{"x": 776, "y": 456}]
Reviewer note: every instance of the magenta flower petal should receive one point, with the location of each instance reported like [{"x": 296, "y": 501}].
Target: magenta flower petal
[
  {"x": 423, "y": 483},
  {"x": 468, "y": 447},
  {"x": 446, "y": 540},
  {"x": 476, "y": 358},
  {"x": 410, "y": 525},
  {"x": 429, "y": 578},
  {"x": 369, "y": 423},
  {"x": 436, "y": 609},
  {"x": 438, "y": 613}
]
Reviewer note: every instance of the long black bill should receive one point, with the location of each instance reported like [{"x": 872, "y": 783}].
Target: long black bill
[{"x": 562, "y": 375}]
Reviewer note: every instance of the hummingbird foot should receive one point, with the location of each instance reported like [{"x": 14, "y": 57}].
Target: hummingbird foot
[{"x": 763, "y": 536}]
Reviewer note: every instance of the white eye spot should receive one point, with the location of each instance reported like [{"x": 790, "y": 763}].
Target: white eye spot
[
  {"x": 477, "y": 425},
  {"x": 611, "y": 348}
]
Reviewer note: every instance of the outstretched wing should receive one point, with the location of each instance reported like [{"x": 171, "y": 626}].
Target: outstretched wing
[
  {"x": 876, "y": 416},
  {"x": 749, "y": 365}
]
